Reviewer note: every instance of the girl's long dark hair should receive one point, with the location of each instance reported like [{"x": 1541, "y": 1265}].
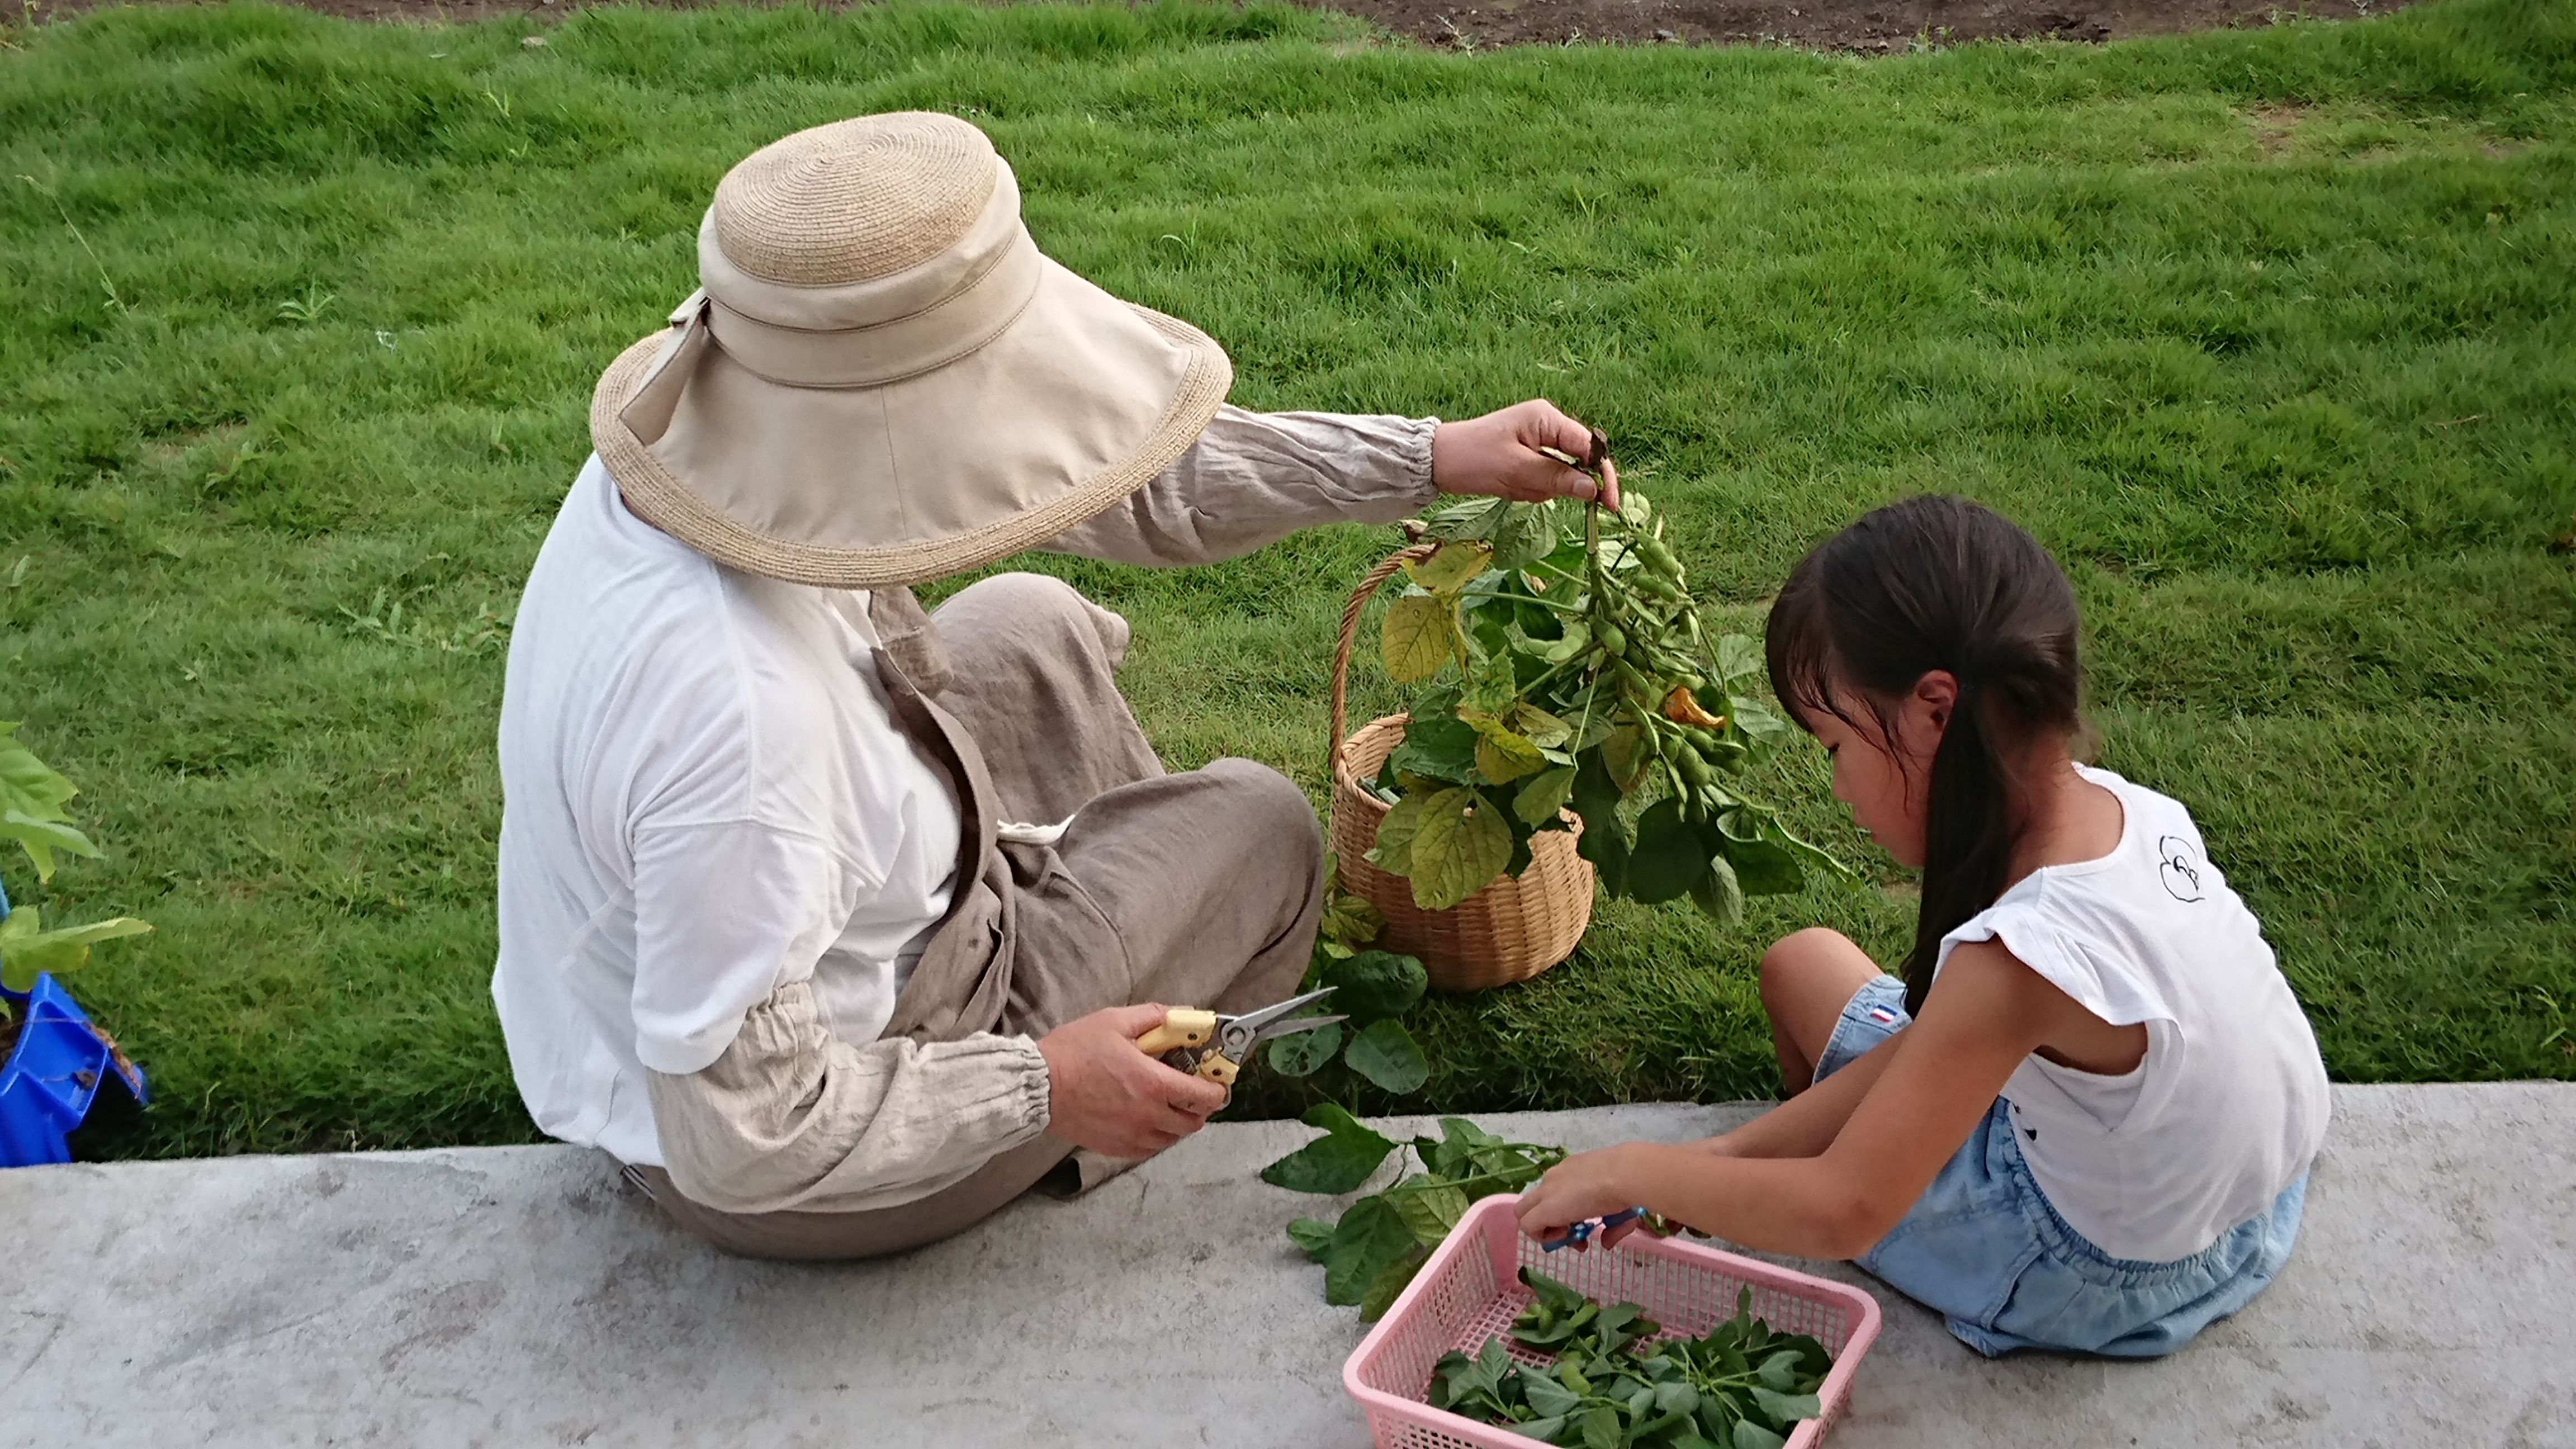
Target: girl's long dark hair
[{"x": 1939, "y": 583}]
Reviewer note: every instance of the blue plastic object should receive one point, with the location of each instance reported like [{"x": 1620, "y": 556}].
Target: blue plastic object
[{"x": 53, "y": 1073}]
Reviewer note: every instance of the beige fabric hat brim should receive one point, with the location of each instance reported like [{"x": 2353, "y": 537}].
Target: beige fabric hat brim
[{"x": 1078, "y": 401}]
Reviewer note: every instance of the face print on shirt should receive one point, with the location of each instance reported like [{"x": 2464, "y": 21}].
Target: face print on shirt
[{"x": 2179, "y": 867}]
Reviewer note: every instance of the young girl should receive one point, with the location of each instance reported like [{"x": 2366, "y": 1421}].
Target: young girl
[{"x": 2083, "y": 1119}]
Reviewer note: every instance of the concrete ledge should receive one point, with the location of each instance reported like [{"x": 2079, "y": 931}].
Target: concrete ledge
[{"x": 520, "y": 1296}]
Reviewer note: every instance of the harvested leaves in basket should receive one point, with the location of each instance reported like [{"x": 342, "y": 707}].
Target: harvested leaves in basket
[
  {"x": 1568, "y": 669},
  {"x": 1612, "y": 1383},
  {"x": 1383, "y": 1239}
]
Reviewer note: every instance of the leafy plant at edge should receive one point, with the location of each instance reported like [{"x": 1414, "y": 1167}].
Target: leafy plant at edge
[
  {"x": 32, "y": 797},
  {"x": 1583, "y": 682},
  {"x": 1372, "y": 988},
  {"x": 1382, "y": 1239},
  {"x": 1612, "y": 1382}
]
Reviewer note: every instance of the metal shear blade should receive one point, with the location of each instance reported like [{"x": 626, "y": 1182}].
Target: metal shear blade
[{"x": 1240, "y": 1034}]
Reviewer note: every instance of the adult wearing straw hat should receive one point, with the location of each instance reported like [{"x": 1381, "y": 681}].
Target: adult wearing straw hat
[{"x": 834, "y": 920}]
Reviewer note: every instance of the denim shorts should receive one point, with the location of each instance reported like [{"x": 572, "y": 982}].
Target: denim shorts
[{"x": 1984, "y": 1248}]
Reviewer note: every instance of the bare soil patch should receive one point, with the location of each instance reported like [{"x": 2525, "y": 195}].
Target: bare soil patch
[{"x": 1863, "y": 26}]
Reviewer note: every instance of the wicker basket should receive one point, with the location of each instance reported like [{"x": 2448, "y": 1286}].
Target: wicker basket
[{"x": 1511, "y": 930}]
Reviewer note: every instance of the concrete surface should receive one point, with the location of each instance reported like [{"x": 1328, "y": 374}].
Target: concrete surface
[{"x": 521, "y": 1296}]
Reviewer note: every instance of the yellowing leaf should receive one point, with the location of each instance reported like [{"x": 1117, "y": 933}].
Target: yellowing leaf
[
  {"x": 1462, "y": 845},
  {"x": 1420, "y": 634},
  {"x": 1393, "y": 852},
  {"x": 1541, "y": 728},
  {"x": 1451, "y": 567},
  {"x": 26, "y": 948},
  {"x": 1505, "y": 757},
  {"x": 1625, "y": 753}
]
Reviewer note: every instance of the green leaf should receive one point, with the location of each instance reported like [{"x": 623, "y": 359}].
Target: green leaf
[
  {"x": 1503, "y": 756},
  {"x": 1605, "y": 836},
  {"x": 26, "y": 949},
  {"x": 1312, "y": 1236},
  {"x": 1369, "y": 1237},
  {"x": 1440, "y": 746},
  {"x": 1470, "y": 519},
  {"x": 1462, "y": 846},
  {"x": 1386, "y": 1054},
  {"x": 1544, "y": 1429},
  {"x": 1738, "y": 657},
  {"x": 1758, "y": 722},
  {"x": 1389, "y": 1284},
  {"x": 1669, "y": 857},
  {"x": 1336, "y": 1162},
  {"x": 1375, "y": 985},
  {"x": 41, "y": 838},
  {"x": 1788, "y": 1409},
  {"x": 1525, "y": 534},
  {"x": 1539, "y": 801},
  {"x": 27, "y": 783},
  {"x": 1451, "y": 566},
  {"x": 1305, "y": 1053},
  {"x": 1718, "y": 895},
  {"x": 1431, "y": 1210},
  {"x": 1779, "y": 1370},
  {"x": 1601, "y": 1429},
  {"x": 1763, "y": 867},
  {"x": 1394, "y": 849},
  {"x": 1549, "y": 1397},
  {"x": 1750, "y": 1435},
  {"x": 1420, "y": 635}
]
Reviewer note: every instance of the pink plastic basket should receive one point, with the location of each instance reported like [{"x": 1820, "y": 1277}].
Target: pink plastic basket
[{"x": 1470, "y": 1291}]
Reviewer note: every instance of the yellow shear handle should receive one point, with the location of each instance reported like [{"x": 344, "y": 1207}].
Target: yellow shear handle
[{"x": 1183, "y": 1027}]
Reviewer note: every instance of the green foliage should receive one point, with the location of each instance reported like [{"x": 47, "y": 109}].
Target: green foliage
[
  {"x": 1382, "y": 1239},
  {"x": 32, "y": 797},
  {"x": 1372, "y": 988},
  {"x": 1576, "y": 654},
  {"x": 2266, "y": 332},
  {"x": 1610, "y": 1381}
]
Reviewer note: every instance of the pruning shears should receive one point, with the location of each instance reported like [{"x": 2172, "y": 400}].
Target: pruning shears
[
  {"x": 1609, "y": 1230},
  {"x": 1208, "y": 1045}
]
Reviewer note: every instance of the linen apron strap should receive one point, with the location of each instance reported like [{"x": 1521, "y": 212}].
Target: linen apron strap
[{"x": 963, "y": 979}]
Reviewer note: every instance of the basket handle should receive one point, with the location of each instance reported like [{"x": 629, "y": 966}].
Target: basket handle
[{"x": 1360, "y": 596}]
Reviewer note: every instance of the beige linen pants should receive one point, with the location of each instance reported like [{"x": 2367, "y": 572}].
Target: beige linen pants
[{"x": 1195, "y": 889}]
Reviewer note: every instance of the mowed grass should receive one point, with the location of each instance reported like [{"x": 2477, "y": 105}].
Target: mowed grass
[{"x": 2268, "y": 334}]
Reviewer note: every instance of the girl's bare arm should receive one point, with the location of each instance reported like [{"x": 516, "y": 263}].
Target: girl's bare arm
[
  {"x": 1939, "y": 1078},
  {"x": 1808, "y": 1123}
]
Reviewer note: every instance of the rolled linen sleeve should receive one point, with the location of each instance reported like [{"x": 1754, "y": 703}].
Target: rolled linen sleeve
[
  {"x": 792, "y": 1117},
  {"x": 1254, "y": 478}
]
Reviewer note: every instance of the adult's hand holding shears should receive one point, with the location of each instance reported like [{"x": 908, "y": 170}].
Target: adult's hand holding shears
[{"x": 1105, "y": 1094}]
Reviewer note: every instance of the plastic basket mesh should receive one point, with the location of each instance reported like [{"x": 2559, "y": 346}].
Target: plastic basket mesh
[{"x": 1688, "y": 1293}]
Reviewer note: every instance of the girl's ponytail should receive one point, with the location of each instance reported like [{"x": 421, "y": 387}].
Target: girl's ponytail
[{"x": 1930, "y": 584}]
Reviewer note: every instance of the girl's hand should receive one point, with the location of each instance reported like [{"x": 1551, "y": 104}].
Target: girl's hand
[
  {"x": 1586, "y": 1185},
  {"x": 1498, "y": 455}
]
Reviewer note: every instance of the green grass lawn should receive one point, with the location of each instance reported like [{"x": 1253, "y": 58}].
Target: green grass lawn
[{"x": 2271, "y": 335}]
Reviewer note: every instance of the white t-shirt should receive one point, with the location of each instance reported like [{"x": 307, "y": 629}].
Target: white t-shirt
[
  {"x": 706, "y": 799},
  {"x": 2229, "y": 1105}
]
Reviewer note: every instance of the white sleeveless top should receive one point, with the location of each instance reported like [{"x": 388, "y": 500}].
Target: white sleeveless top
[{"x": 2229, "y": 1105}]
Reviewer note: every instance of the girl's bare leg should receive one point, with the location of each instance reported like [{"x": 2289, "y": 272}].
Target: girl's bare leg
[{"x": 1807, "y": 980}]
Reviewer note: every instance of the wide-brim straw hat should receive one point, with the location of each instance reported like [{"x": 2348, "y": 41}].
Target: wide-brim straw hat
[{"x": 881, "y": 380}]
